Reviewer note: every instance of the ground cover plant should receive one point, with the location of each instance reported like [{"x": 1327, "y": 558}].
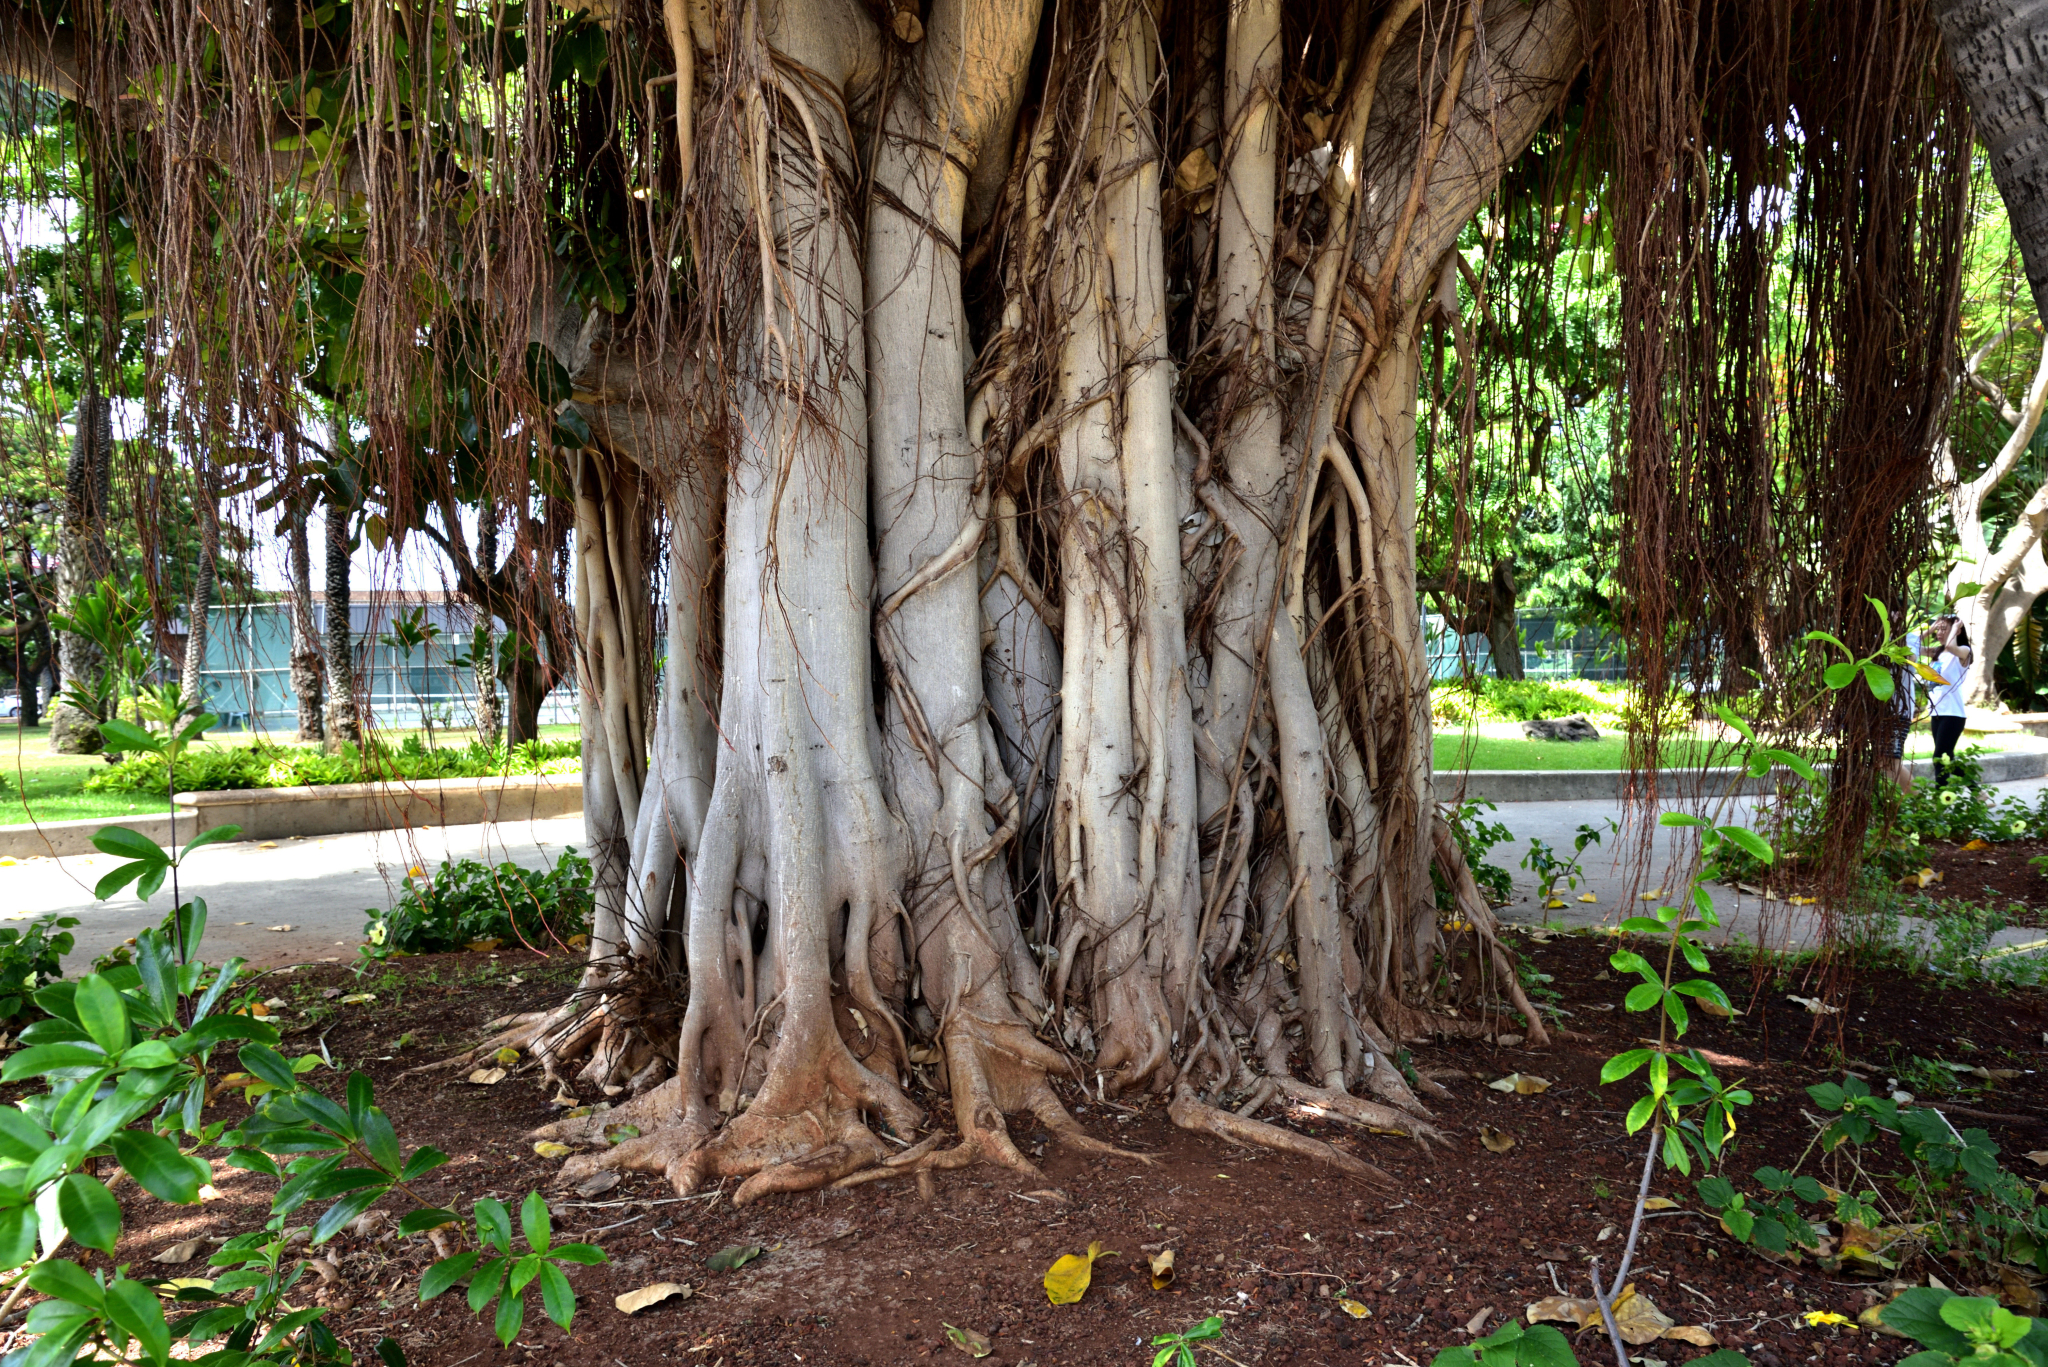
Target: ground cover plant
[
  {"x": 267, "y": 765},
  {"x": 470, "y": 904}
]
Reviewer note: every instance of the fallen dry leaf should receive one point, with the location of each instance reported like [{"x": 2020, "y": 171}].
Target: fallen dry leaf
[
  {"x": 182, "y": 1252},
  {"x": 1637, "y": 1317},
  {"x": 506, "y": 1057},
  {"x": 1816, "y": 1319},
  {"x": 1693, "y": 1334},
  {"x": 548, "y": 1148},
  {"x": 1553, "y": 905},
  {"x": 1587, "y": 897},
  {"x": 633, "y": 1302},
  {"x": 1978, "y": 845},
  {"x": 1521, "y": 1084},
  {"x": 1496, "y": 1141},
  {"x": 598, "y": 1183},
  {"x": 1660, "y": 1203},
  {"x": 1196, "y": 171},
  {"x": 1478, "y": 1322},
  {"x": 733, "y": 1257},
  {"x": 1066, "y": 1281},
  {"x": 482, "y": 946},
  {"x": 1353, "y": 1308},
  {"x": 1162, "y": 1269},
  {"x": 277, "y": 927},
  {"x": 1507, "y": 1041},
  {"x": 358, "y": 998},
  {"x": 1714, "y": 1008},
  {"x": 968, "y": 1341},
  {"x": 177, "y": 1284},
  {"x": 1814, "y": 1005},
  {"x": 486, "y": 1077}
]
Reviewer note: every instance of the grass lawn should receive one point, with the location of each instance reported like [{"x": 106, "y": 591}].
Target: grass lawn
[
  {"x": 36, "y": 785},
  {"x": 1456, "y": 750}
]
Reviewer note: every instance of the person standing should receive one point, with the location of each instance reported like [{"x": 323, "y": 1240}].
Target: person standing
[{"x": 1951, "y": 654}]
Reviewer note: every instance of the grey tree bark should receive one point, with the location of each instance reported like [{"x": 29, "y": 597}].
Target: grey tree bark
[
  {"x": 342, "y": 721},
  {"x": 483, "y": 651},
  {"x": 84, "y": 560},
  {"x": 2002, "y": 65},
  {"x": 308, "y": 668}
]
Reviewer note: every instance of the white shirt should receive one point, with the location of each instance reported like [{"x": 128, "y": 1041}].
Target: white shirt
[{"x": 1948, "y": 698}]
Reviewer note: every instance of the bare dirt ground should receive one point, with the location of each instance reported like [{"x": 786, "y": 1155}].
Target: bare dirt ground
[{"x": 1272, "y": 1244}]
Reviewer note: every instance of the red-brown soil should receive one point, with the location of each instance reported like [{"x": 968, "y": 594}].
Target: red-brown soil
[
  {"x": 871, "y": 1276},
  {"x": 1999, "y": 876}
]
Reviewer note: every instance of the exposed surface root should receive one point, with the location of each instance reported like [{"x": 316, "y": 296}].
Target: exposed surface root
[
  {"x": 1192, "y": 1114},
  {"x": 1323, "y": 1103}
]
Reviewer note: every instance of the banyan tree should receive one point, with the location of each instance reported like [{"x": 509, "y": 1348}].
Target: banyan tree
[{"x": 990, "y": 429}]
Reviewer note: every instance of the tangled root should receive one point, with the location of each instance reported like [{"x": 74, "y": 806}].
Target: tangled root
[{"x": 1190, "y": 1113}]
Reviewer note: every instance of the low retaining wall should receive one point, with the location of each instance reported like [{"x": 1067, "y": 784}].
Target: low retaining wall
[
  {"x": 1608, "y": 785},
  {"x": 333, "y": 809}
]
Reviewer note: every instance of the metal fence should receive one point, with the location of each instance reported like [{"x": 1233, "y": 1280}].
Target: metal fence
[
  {"x": 248, "y": 679},
  {"x": 1551, "y": 649}
]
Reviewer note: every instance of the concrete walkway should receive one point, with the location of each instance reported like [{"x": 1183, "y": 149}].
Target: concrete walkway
[
  {"x": 1613, "y": 873},
  {"x": 320, "y": 887},
  {"x": 317, "y": 886}
]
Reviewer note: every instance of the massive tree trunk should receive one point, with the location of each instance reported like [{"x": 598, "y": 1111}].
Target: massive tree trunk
[
  {"x": 483, "y": 646},
  {"x": 82, "y": 562},
  {"x": 1044, "y": 702},
  {"x": 2003, "y": 67}
]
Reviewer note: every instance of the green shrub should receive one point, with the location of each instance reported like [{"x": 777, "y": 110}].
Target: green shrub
[
  {"x": 266, "y": 765},
  {"x": 1491, "y": 699},
  {"x": 29, "y": 960},
  {"x": 468, "y": 901}
]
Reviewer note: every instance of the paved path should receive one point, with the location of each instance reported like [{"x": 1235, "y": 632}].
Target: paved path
[
  {"x": 321, "y": 886},
  {"x": 318, "y": 886},
  {"x": 1610, "y": 871}
]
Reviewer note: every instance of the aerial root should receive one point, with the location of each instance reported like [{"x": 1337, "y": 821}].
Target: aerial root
[
  {"x": 1192, "y": 1114},
  {"x": 1369, "y": 1115},
  {"x": 520, "y": 1032}
]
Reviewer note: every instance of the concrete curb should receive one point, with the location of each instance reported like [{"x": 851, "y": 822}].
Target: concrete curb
[
  {"x": 1610, "y": 785},
  {"x": 334, "y": 809}
]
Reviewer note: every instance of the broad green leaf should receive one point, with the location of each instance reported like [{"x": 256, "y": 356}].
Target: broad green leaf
[
  {"x": 212, "y": 835},
  {"x": 102, "y": 1013},
  {"x": 493, "y": 1224},
  {"x": 445, "y": 1274},
  {"x": 511, "y": 1314},
  {"x": 67, "y": 1281},
  {"x": 1752, "y": 844},
  {"x": 21, "y": 1138},
  {"x": 18, "y": 1230},
  {"x": 556, "y": 1297},
  {"x": 1880, "y": 681},
  {"x": 125, "y": 736},
  {"x": 127, "y": 844},
  {"x": 135, "y": 1308},
  {"x": 533, "y": 1222},
  {"x": 1681, "y": 819},
  {"x": 1735, "y": 723},
  {"x": 261, "y": 1061},
  {"x": 90, "y": 1212},
  {"x": 156, "y": 1163},
  {"x": 1621, "y": 1065},
  {"x": 120, "y": 877}
]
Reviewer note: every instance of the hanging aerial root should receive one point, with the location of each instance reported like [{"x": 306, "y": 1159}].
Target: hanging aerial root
[
  {"x": 1190, "y": 1113},
  {"x": 1472, "y": 904}
]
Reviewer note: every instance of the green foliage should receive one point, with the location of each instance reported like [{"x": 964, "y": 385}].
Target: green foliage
[
  {"x": 1512, "y": 1345},
  {"x": 264, "y": 765},
  {"x": 1178, "y": 1349},
  {"x": 1477, "y": 836},
  {"x": 126, "y": 1059},
  {"x": 469, "y": 901},
  {"x": 1490, "y": 699},
  {"x": 1974, "y": 1329},
  {"x": 1556, "y": 875},
  {"x": 31, "y": 959}
]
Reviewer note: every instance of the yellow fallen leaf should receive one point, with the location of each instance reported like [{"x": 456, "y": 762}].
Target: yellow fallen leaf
[
  {"x": 2039, "y": 1158},
  {"x": 1660, "y": 1203},
  {"x": 259, "y": 1009},
  {"x": 1553, "y": 905},
  {"x": 633, "y": 1302},
  {"x": 578, "y": 942},
  {"x": 548, "y": 1148},
  {"x": 1978, "y": 845},
  {"x": 486, "y": 1077},
  {"x": 277, "y": 928},
  {"x": 176, "y": 1284},
  {"x": 1802, "y": 901},
  {"x": 482, "y": 946},
  {"x": 1353, "y": 1309},
  {"x": 1817, "y": 1318},
  {"x": 1714, "y": 1008},
  {"x": 1496, "y": 1141},
  {"x": 1653, "y": 894},
  {"x": 415, "y": 872},
  {"x": 1066, "y": 1281},
  {"x": 1196, "y": 171},
  {"x": 1587, "y": 897},
  {"x": 358, "y": 998},
  {"x": 268, "y": 845},
  {"x": 1694, "y": 1334},
  {"x": 1162, "y": 1269},
  {"x": 1521, "y": 1084},
  {"x": 507, "y": 1056}
]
